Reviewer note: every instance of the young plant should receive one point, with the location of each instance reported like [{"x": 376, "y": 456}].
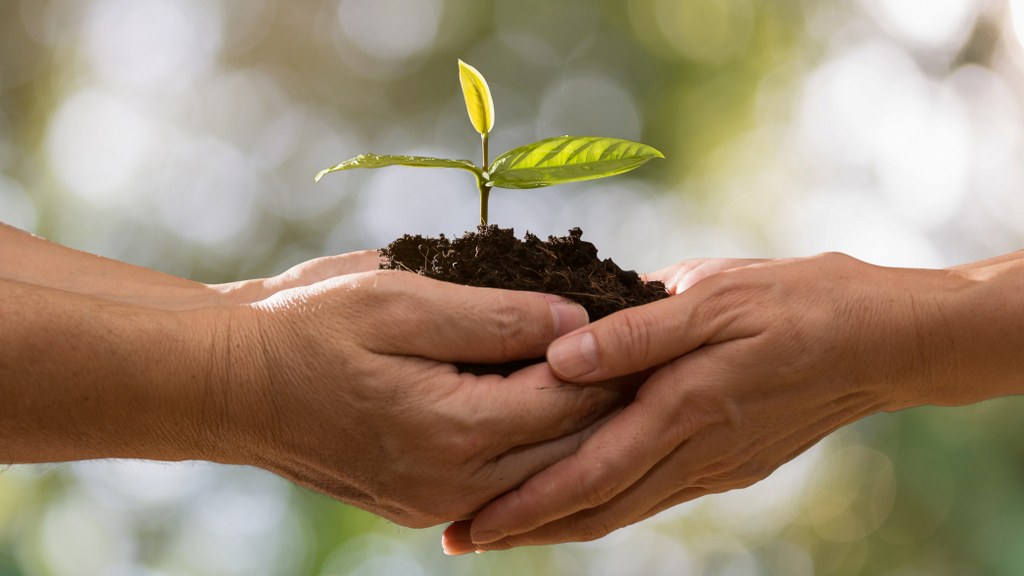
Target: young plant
[{"x": 550, "y": 161}]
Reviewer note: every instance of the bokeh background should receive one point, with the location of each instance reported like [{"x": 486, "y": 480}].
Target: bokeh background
[{"x": 183, "y": 135}]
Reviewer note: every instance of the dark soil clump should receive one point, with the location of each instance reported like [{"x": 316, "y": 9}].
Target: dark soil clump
[{"x": 493, "y": 257}]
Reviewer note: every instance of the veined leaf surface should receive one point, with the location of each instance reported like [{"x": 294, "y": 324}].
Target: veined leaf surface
[
  {"x": 479, "y": 102},
  {"x": 567, "y": 159},
  {"x": 376, "y": 161}
]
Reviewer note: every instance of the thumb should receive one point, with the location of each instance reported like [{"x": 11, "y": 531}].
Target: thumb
[
  {"x": 453, "y": 323},
  {"x": 636, "y": 339}
]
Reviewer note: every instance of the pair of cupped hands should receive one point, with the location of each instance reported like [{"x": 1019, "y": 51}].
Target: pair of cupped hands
[
  {"x": 343, "y": 378},
  {"x": 745, "y": 366}
]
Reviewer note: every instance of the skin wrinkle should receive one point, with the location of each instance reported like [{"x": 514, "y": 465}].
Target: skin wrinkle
[
  {"x": 214, "y": 412},
  {"x": 210, "y": 374},
  {"x": 329, "y": 478},
  {"x": 272, "y": 413},
  {"x": 324, "y": 483},
  {"x": 945, "y": 340},
  {"x": 921, "y": 339}
]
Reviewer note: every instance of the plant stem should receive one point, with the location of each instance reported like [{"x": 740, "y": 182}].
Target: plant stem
[{"x": 485, "y": 190}]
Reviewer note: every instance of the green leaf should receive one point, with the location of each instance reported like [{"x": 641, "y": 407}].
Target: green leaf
[
  {"x": 567, "y": 159},
  {"x": 375, "y": 161},
  {"x": 479, "y": 102}
]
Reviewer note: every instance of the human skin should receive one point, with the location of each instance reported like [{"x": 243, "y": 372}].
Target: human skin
[
  {"x": 33, "y": 260},
  {"x": 750, "y": 363},
  {"x": 334, "y": 375}
]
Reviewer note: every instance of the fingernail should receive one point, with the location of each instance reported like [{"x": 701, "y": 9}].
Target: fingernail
[
  {"x": 487, "y": 536},
  {"x": 568, "y": 316},
  {"x": 574, "y": 356}
]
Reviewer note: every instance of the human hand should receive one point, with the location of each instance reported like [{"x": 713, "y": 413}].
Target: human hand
[
  {"x": 156, "y": 290},
  {"x": 355, "y": 395},
  {"x": 32, "y": 260},
  {"x": 752, "y": 365},
  {"x": 302, "y": 274}
]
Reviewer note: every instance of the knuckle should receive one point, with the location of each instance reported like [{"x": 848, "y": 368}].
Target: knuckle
[
  {"x": 425, "y": 508},
  {"x": 469, "y": 445},
  {"x": 837, "y": 263},
  {"x": 632, "y": 337},
  {"x": 835, "y": 257},
  {"x": 735, "y": 474},
  {"x": 385, "y": 292},
  {"x": 499, "y": 545},
  {"x": 417, "y": 521},
  {"x": 748, "y": 474},
  {"x": 598, "y": 489},
  {"x": 592, "y": 530},
  {"x": 368, "y": 288},
  {"x": 511, "y": 328}
]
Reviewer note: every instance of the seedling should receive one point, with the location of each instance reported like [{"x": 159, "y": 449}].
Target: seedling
[{"x": 550, "y": 161}]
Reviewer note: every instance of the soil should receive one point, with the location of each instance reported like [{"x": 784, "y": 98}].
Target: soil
[{"x": 493, "y": 257}]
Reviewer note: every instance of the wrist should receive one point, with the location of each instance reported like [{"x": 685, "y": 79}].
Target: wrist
[
  {"x": 191, "y": 385},
  {"x": 168, "y": 398},
  {"x": 239, "y": 402},
  {"x": 961, "y": 335},
  {"x": 897, "y": 346},
  {"x": 985, "y": 325},
  {"x": 87, "y": 378}
]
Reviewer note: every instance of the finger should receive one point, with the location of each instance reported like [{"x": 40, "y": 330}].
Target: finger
[
  {"x": 516, "y": 466},
  {"x": 677, "y": 478},
  {"x": 584, "y": 526},
  {"x": 674, "y": 480},
  {"x": 319, "y": 269},
  {"x": 706, "y": 463},
  {"x": 452, "y": 323},
  {"x": 647, "y": 336},
  {"x": 694, "y": 470},
  {"x": 455, "y": 540},
  {"x": 531, "y": 406},
  {"x": 682, "y": 276},
  {"x": 682, "y": 497},
  {"x": 612, "y": 460},
  {"x": 605, "y": 465},
  {"x": 304, "y": 274}
]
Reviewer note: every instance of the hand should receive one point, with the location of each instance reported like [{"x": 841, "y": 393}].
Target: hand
[
  {"x": 32, "y": 260},
  {"x": 303, "y": 274},
  {"x": 752, "y": 365},
  {"x": 152, "y": 289},
  {"x": 337, "y": 380},
  {"x": 356, "y": 396}
]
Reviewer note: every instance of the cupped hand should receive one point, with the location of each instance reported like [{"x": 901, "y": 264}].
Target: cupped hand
[
  {"x": 750, "y": 366},
  {"x": 32, "y": 260},
  {"x": 302, "y": 274},
  {"x": 357, "y": 396}
]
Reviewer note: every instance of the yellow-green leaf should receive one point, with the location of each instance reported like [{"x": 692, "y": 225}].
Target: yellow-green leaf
[
  {"x": 479, "y": 103},
  {"x": 378, "y": 161},
  {"x": 567, "y": 159}
]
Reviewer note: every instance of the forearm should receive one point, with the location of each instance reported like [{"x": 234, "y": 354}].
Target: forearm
[
  {"x": 85, "y": 378},
  {"x": 32, "y": 260}
]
